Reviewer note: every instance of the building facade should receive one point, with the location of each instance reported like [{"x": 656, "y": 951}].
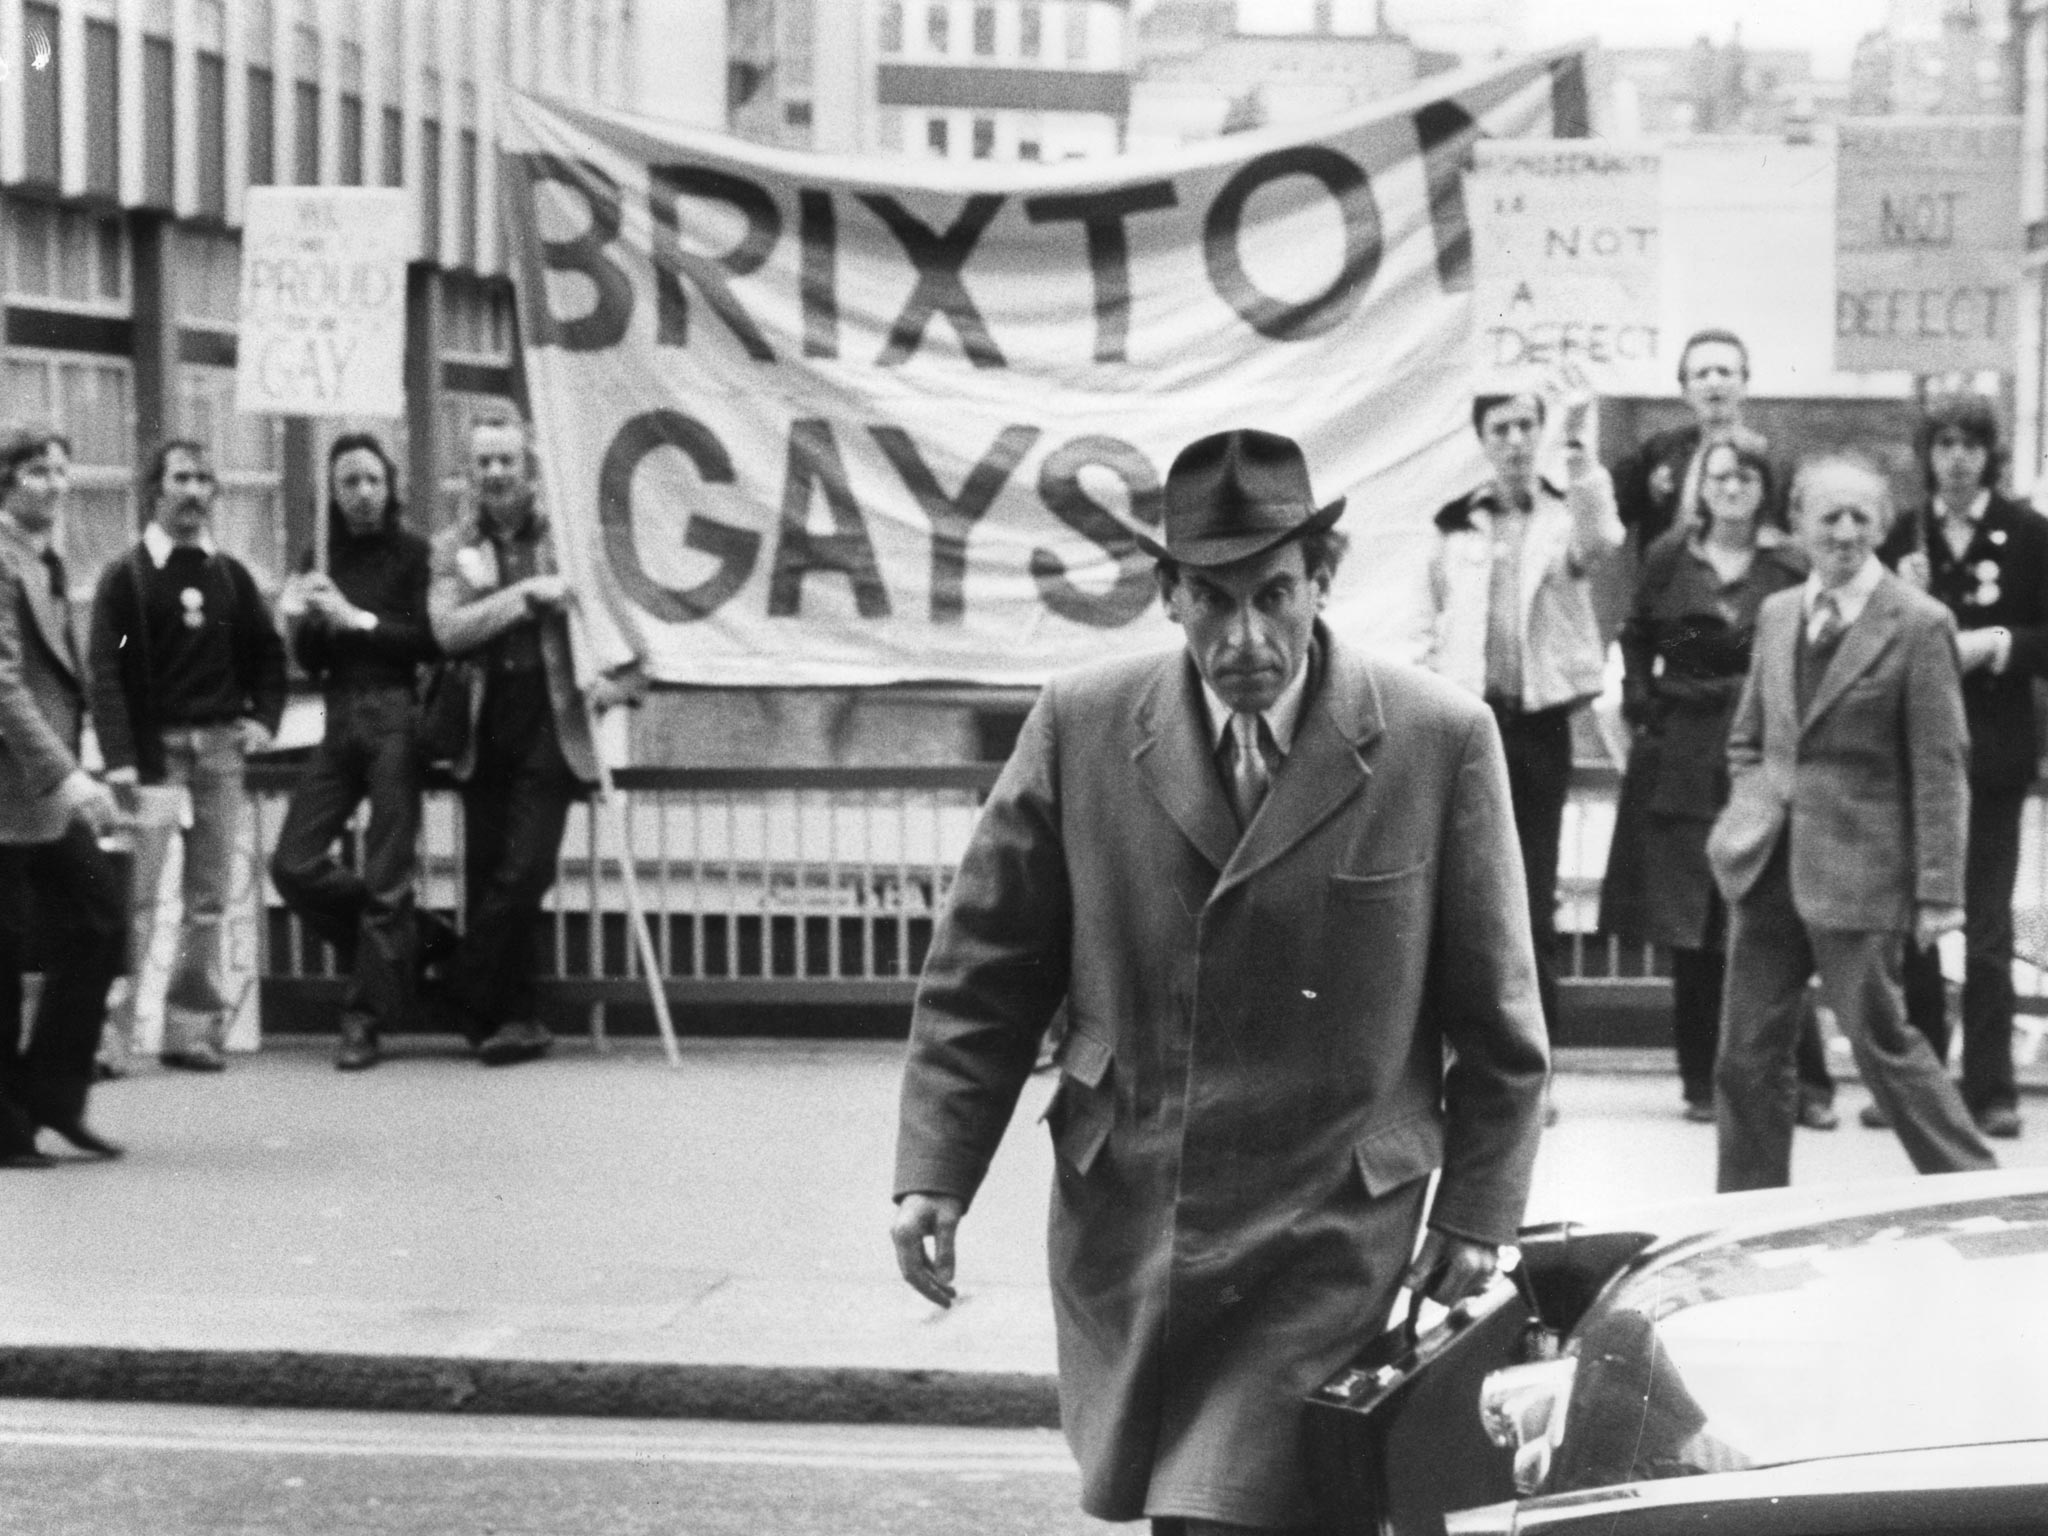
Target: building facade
[
  {"x": 2030, "y": 392},
  {"x": 130, "y": 132},
  {"x": 933, "y": 79}
]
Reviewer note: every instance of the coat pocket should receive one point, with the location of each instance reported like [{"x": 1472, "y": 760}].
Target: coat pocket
[
  {"x": 1083, "y": 1106},
  {"x": 1375, "y": 886},
  {"x": 1401, "y": 1153}
]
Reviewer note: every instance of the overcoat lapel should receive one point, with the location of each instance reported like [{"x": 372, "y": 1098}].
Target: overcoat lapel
[
  {"x": 42, "y": 607},
  {"x": 1173, "y": 759},
  {"x": 1866, "y": 640}
]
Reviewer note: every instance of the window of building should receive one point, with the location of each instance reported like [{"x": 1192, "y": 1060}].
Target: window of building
[
  {"x": 65, "y": 255},
  {"x": 984, "y": 31},
  {"x": 891, "y": 38},
  {"x": 1030, "y": 136},
  {"x": 476, "y": 319},
  {"x": 247, "y": 460},
  {"x": 936, "y": 135},
  {"x": 938, "y": 26},
  {"x": 796, "y": 114},
  {"x": 984, "y": 137},
  {"x": 1077, "y": 33},
  {"x": 1030, "y": 31},
  {"x": 208, "y": 278}
]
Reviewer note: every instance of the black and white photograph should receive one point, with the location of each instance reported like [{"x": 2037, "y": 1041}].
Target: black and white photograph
[{"x": 1036, "y": 767}]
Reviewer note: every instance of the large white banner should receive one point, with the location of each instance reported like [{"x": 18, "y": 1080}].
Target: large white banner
[{"x": 809, "y": 420}]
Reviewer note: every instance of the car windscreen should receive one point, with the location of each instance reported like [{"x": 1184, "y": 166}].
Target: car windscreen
[{"x": 1891, "y": 1332}]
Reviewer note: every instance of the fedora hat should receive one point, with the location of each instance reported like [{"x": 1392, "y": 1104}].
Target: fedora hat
[{"x": 1233, "y": 495}]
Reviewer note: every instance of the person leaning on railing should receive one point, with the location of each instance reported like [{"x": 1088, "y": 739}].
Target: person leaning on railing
[
  {"x": 498, "y": 598},
  {"x": 1685, "y": 650},
  {"x": 360, "y": 629}
]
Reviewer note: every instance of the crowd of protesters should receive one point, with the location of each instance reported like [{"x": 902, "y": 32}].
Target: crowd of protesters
[
  {"x": 1730, "y": 795},
  {"x": 183, "y": 675}
]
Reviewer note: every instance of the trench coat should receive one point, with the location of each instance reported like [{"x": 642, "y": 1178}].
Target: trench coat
[
  {"x": 1273, "y": 1040},
  {"x": 1685, "y": 647}
]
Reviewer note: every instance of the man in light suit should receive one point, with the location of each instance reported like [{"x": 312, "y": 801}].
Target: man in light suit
[
  {"x": 51, "y": 816},
  {"x": 1276, "y": 886},
  {"x": 1843, "y": 835}
]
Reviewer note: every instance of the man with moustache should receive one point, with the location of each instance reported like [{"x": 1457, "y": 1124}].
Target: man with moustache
[
  {"x": 1275, "y": 885},
  {"x": 188, "y": 679},
  {"x": 55, "y": 880},
  {"x": 1842, "y": 839}
]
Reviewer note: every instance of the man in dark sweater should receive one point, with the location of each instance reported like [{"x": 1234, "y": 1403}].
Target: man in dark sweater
[
  {"x": 360, "y": 630},
  {"x": 188, "y": 678}
]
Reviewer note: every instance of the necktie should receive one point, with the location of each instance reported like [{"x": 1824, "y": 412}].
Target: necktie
[
  {"x": 1250, "y": 776},
  {"x": 1826, "y": 623},
  {"x": 53, "y": 562}
]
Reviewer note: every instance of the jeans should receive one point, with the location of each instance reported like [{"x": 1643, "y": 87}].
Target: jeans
[
  {"x": 62, "y": 913},
  {"x": 206, "y": 762},
  {"x": 365, "y": 913}
]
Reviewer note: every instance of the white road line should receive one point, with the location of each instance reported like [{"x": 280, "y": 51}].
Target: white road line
[{"x": 514, "y": 1442}]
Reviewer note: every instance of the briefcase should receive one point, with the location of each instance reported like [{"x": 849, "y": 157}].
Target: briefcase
[{"x": 1395, "y": 1438}]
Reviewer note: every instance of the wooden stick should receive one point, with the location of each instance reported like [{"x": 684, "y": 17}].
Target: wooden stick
[{"x": 607, "y": 792}]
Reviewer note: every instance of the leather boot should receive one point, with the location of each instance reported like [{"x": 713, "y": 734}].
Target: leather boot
[{"x": 358, "y": 1047}]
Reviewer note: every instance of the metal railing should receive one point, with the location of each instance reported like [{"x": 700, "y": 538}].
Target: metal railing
[
  {"x": 773, "y": 885},
  {"x": 820, "y": 885}
]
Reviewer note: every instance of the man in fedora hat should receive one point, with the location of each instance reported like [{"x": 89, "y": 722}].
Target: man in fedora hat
[{"x": 1275, "y": 885}]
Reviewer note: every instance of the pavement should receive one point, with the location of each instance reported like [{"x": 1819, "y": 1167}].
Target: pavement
[{"x": 601, "y": 1234}]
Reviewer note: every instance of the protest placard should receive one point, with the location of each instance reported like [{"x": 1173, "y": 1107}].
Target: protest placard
[
  {"x": 1927, "y": 243},
  {"x": 1567, "y": 264},
  {"x": 323, "y": 301}
]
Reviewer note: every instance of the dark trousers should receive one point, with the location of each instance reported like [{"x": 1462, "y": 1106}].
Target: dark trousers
[
  {"x": 1539, "y": 753},
  {"x": 365, "y": 913},
  {"x": 1697, "y": 977},
  {"x": 1990, "y": 869},
  {"x": 514, "y": 809},
  {"x": 70, "y": 896},
  {"x": 1771, "y": 956}
]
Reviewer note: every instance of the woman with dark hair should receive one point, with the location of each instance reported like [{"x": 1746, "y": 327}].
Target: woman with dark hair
[
  {"x": 1984, "y": 555},
  {"x": 1685, "y": 648},
  {"x": 360, "y": 630}
]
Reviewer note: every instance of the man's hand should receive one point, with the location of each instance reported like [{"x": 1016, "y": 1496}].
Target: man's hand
[
  {"x": 921, "y": 1219},
  {"x": 255, "y": 736},
  {"x": 544, "y": 594},
  {"x": 1912, "y": 567},
  {"x": 91, "y": 802},
  {"x": 1448, "y": 1269},
  {"x": 627, "y": 687},
  {"x": 1931, "y": 920}
]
